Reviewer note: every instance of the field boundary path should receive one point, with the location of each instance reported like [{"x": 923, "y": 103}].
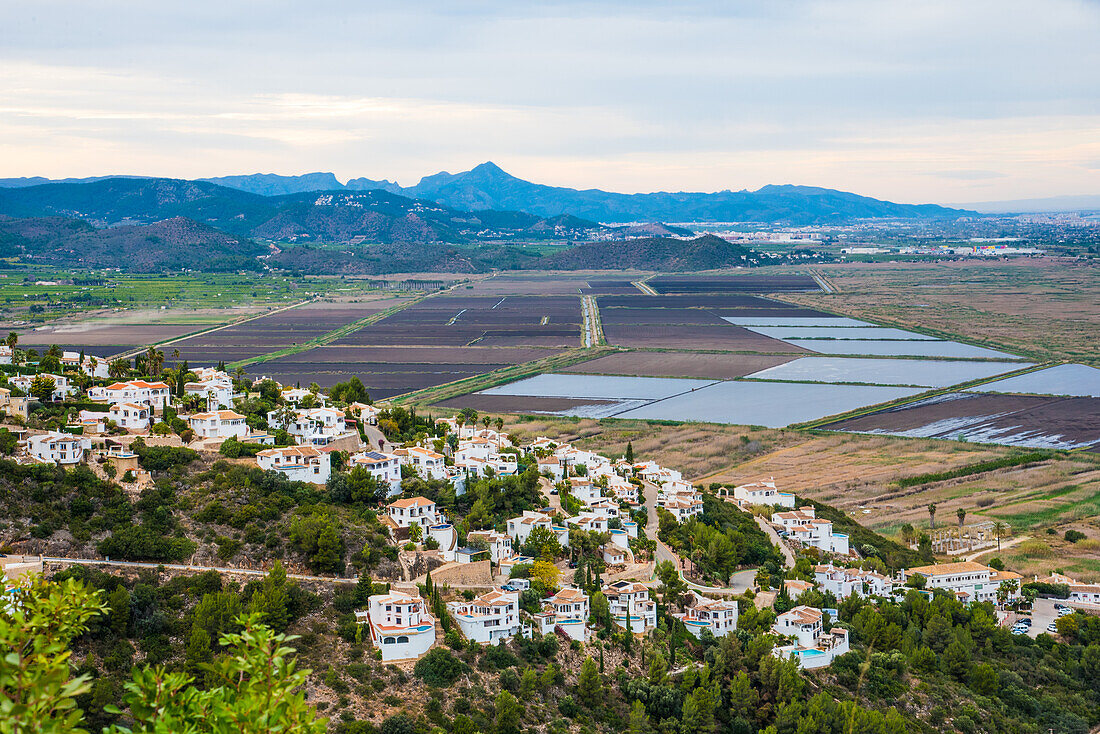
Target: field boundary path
[
  {"x": 210, "y": 330},
  {"x": 823, "y": 283},
  {"x": 641, "y": 285},
  {"x": 593, "y": 329}
]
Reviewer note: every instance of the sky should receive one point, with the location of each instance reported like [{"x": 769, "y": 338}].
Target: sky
[{"x": 947, "y": 102}]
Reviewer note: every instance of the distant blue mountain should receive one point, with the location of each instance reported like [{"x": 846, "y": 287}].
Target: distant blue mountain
[
  {"x": 272, "y": 184},
  {"x": 488, "y": 187}
]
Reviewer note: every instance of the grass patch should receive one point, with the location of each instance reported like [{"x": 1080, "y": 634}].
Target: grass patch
[{"x": 981, "y": 467}]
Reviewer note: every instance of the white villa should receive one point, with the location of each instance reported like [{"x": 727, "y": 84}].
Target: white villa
[
  {"x": 500, "y": 544},
  {"x": 131, "y": 416},
  {"x": 61, "y": 387},
  {"x": 386, "y": 468},
  {"x": 218, "y": 392},
  {"x": 763, "y": 493},
  {"x": 490, "y": 617},
  {"x": 718, "y": 616},
  {"x": 153, "y": 394},
  {"x": 400, "y": 626},
  {"x": 313, "y": 426},
  {"x": 567, "y": 610},
  {"x": 631, "y": 607},
  {"x": 427, "y": 463},
  {"x": 813, "y": 647},
  {"x": 219, "y": 424},
  {"x": 803, "y": 525},
  {"x": 298, "y": 463},
  {"x": 414, "y": 511},
  {"x": 58, "y": 448},
  {"x": 843, "y": 582}
]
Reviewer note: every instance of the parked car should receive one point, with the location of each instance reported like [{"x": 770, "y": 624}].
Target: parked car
[
  {"x": 1065, "y": 612},
  {"x": 1052, "y": 627}
]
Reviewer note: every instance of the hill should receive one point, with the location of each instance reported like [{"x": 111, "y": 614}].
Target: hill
[
  {"x": 172, "y": 244},
  {"x": 336, "y": 216},
  {"x": 652, "y": 253}
]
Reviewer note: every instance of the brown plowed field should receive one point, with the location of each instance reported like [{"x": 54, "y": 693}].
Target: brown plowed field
[
  {"x": 679, "y": 364},
  {"x": 731, "y": 283},
  {"x": 1025, "y": 419}
]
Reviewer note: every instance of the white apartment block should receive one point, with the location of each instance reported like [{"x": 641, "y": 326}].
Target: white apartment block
[
  {"x": 400, "y": 626},
  {"x": 153, "y": 394},
  {"x": 969, "y": 581},
  {"x": 718, "y": 616},
  {"x": 763, "y": 493},
  {"x": 219, "y": 424},
  {"x": 490, "y": 617},
  {"x": 6, "y": 354},
  {"x": 682, "y": 506},
  {"x": 297, "y": 463},
  {"x": 131, "y": 416},
  {"x": 414, "y": 511},
  {"x": 58, "y": 448},
  {"x": 631, "y": 607},
  {"x": 386, "y": 468}
]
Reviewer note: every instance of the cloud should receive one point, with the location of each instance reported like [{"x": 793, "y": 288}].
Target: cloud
[{"x": 941, "y": 100}]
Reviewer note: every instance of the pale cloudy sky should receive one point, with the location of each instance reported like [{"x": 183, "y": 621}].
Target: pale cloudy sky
[{"x": 945, "y": 101}]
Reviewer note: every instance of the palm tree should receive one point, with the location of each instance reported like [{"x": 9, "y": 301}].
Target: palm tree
[
  {"x": 908, "y": 534},
  {"x": 118, "y": 369},
  {"x": 1000, "y": 530},
  {"x": 499, "y": 423},
  {"x": 154, "y": 360},
  {"x": 175, "y": 354},
  {"x": 961, "y": 514},
  {"x": 486, "y": 420},
  {"x": 12, "y": 339},
  {"x": 932, "y": 514}
]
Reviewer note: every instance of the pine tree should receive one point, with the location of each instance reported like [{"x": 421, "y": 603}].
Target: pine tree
[
  {"x": 509, "y": 713},
  {"x": 589, "y": 687},
  {"x": 639, "y": 720},
  {"x": 629, "y": 452}
]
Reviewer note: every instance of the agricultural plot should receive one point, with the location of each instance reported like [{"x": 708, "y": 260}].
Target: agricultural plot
[
  {"x": 1011, "y": 420},
  {"x": 486, "y": 321},
  {"x": 731, "y": 284},
  {"x": 745, "y": 403},
  {"x": 793, "y": 317},
  {"x": 679, "y": 364},
  {"x": 716, "y": 301},
  {"x": 919, "y": 372},
  {"x": 770, "y": 404},
  {"x": 840, "y": 333},
  {"x": 1074, "y": 380},
  {"x": 678, "y": 336},
  {"x": 390, "y": 371},
  {"x": 887, "y": 348}
]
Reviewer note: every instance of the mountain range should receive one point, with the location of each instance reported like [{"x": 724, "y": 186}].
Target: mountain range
[
  {"x": 488, "y": 187},
  {"x": 331, "y": 217}
]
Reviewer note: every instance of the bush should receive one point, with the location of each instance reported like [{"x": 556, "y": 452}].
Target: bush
[
  {"x": 1036, "y": 549},
  {"x": 1072, "y": 536},
  {"x": 142, "y": 543},
  {"x": 439, "y": 668}
]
